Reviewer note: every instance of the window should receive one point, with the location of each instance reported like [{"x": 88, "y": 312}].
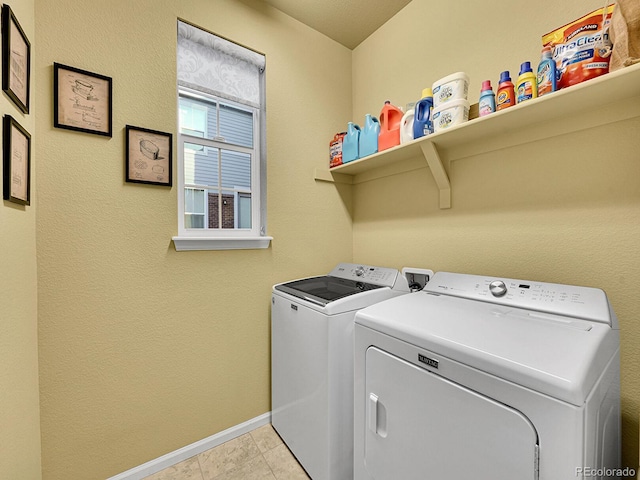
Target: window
[{"x": 221, "y": 153}]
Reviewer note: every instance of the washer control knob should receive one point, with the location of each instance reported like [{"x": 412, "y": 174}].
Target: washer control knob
[
  {"x": 360, "y": 271},
  {"x": 498, "y": 288}
]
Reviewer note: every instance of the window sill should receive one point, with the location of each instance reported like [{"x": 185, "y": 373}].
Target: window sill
[{"x": 186, "y": 244}]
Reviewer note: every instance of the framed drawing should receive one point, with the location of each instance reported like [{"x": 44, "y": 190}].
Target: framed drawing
[
  {"x": 148, "y": 156},
  {"x": 82, "y": 101},
  {"x": 16, "y": 60},
  {"x": 16, "y": 164}
]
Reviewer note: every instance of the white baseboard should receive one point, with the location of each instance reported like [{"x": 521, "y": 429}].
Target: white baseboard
[{"x": 171, "y": 458}]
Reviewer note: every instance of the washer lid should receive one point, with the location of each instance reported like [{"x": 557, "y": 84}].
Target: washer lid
[
  {"x": 324, "y": 289},
  {"x": 344, "y": 280},
  {"x": 556, "y": 355}
]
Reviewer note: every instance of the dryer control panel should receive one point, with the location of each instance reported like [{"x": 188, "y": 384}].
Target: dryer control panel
[
  {"x": 569, "y": 300},
  {"x": 366, "y": 273}
]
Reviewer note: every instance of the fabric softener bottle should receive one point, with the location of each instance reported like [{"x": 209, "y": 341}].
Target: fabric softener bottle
[{"x": 487, "y": 103}]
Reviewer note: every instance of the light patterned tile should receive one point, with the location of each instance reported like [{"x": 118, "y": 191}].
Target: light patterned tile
[
  {"x": 186, "y": 470},
  {"x": 284, "y": 465},
  {"x": 228, "y": 456},
  {"x": 266, "y": 438},
  {"x": 253, "y": 469}
]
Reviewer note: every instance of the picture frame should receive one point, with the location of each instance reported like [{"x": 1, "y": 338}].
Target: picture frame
[
  {"x": 82, "y": 100},
  {"x": 16, "y": 60},
  {"x": 16, "y": 162},
  {"x": 148, "y": 156}
]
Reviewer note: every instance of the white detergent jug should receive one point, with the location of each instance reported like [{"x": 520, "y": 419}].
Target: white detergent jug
[{"x": 406, "y": 126}]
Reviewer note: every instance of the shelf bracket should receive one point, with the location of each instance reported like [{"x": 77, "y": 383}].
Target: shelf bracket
[
  {"x": 439, "y": 173},
  {"x": 325, "y": 175}
]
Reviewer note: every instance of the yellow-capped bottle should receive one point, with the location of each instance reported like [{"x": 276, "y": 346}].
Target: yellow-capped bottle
[{"x": 526, "y": 86}]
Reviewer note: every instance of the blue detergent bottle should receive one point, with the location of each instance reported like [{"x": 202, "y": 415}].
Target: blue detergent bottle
[
  {"x": 547, "y": 73},
  {"x": 350, "y": 143},
  {"x": 422, "y": 124},
  {"x": 369, "y": 136}
]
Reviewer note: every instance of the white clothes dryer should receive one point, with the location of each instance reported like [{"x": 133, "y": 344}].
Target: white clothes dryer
[
  {"x": 487, "y": 378},
  {"x": 312, "y": 321}
]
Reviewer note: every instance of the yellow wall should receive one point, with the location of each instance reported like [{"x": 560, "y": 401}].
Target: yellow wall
[
  {"x": 144, "y": 350},
  {"x": 563, "y": 210},
  {"x": 19, "y": 404}
]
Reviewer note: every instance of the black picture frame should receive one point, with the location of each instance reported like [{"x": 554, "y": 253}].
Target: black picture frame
[
  {"x": 16, "y": 60},
  {"x": 82, "y": 100},
  {"x": 148, "y": 156},
  {"x": 16, "y": 162}
]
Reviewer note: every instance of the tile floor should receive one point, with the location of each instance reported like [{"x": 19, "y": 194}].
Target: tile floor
[{"x": 259, "y": 454}]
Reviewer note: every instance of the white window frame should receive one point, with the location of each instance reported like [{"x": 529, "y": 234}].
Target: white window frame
[{"x": 224, "y": 238}]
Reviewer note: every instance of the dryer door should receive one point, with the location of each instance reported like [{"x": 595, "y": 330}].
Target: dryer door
[{"x": 420, "y": 425}]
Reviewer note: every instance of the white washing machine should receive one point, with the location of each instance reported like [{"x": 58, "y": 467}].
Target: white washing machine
[
  {"x": 312, "y": 323},
  {"x": 487, "y": 378}
]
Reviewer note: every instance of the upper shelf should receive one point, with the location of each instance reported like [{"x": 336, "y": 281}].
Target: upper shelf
[{"x": 599, "y": 101}]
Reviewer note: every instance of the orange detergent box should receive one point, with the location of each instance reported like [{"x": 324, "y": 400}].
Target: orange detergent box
[
  {"x": 581, "y": 48},
  {"x": 335, "y": 149}
]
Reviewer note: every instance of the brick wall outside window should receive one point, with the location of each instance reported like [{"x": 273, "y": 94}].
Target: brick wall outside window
[{"x": 228, "y": 214}]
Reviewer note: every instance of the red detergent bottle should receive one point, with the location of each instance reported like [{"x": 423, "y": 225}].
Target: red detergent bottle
[
  {"x": 390, "y": 121},
  {"x": 506, "y": 96}
]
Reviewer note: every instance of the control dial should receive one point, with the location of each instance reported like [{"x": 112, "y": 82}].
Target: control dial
[
  {"x": 360, "y": 271},
  {"x": 498, "y": 288}
]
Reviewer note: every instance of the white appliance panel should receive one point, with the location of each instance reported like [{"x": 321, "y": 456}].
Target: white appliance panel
[
  {"x": 439, "y": 429},
  {"x": 309, "y": 389},
  {"x": 512, "y": 343},
  {"x": 519, "y": 356}
]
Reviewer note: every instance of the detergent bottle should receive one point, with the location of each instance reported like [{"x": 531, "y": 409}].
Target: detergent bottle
[
  {"x": 506, "y": 94},
  {"x": 350, "y": 143},
  {"x": 526, "y": 87},
  {"x": 390, "y": 120},
  {"x": 487, "y": 103},
  {"x": 406, "y": 126},
  {"x": 369, "y": 136},
  {"x": 422, "y": 122},
  {"x": 547, "y": 73}
]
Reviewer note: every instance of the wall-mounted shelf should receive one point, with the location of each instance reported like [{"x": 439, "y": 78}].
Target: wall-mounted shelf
[{"x": 610, "y": 98}]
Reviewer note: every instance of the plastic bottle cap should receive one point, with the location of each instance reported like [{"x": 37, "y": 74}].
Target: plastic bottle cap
[
  {"x": 504, "y": 76},
  {"x": 486, "y": 85},
  {"x": 525, "y": 67},
  {"x": 427, "y": 92}
]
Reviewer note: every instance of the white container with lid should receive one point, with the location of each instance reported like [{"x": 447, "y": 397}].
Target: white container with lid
[
  {"x": 449, "y": 114},
  {"x": 450, "y": 88}
]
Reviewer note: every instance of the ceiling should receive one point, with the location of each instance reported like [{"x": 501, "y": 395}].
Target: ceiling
[{"x": 348, "y": 22}]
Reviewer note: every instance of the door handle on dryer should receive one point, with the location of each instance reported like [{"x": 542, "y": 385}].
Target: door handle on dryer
[{"x": 377, "y": 416}]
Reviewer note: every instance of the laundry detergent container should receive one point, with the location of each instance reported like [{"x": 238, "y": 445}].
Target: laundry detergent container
[
  {"x": 390, "y": 122},
  {"x": 350, "y": 143},
  {"x": 450, "y": 88},
  {"x": 369, "y": 136},
  {"x": 450, "y": 114}
]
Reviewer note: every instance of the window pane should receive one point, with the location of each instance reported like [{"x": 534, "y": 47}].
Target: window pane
[
  {"x": 221, "y": 208},
  {"x": 236, "y": 126},
  {"x": 244, "y": 210},
  {"x": 236, "y": 170},
  {"x": 194, "y": 212},
  {"x": 200, "y": 164},
  {"x": 193, "y": 221},
  {"x": 198, "y": 117}
]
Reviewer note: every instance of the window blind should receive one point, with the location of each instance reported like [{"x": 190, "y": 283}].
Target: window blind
[{"x": 214, "y": 65}]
